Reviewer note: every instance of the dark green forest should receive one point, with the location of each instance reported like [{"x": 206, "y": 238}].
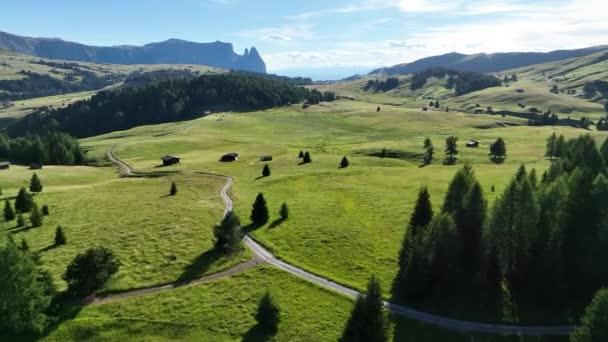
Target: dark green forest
[
  {"x": 542, "y": 248},
  {"x": 463, "y": 82},
  {"x": 169, "y": 101},
  {"x": 52, "y": 148}
]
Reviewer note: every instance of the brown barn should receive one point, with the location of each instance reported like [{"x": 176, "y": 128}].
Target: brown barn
[
  {"x": 266, "y": 158},
  {"x": 230, "y": 157},
  {"x": 472, "y": 143}
]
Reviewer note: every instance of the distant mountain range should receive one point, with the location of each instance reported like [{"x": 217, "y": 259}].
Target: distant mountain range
[
  {"x": 483, "y": 62},
  {"x": 172, "y": 51}
]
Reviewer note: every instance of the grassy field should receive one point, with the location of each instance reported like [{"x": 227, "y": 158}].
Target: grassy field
[
  {"x": 157, "y": 238},
  {"x": 224, "y": 310},
  {"x": 364, "y": 208},
  {"x": 345, "y": 224}
]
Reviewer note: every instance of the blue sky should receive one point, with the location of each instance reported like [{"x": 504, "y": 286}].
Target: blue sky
[{"x": 321, "y": 38}]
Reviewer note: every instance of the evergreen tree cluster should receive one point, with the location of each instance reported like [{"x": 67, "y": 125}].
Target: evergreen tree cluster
[
  {"x": 47, "y": 149},
  {"x": 38, "y": 85},
  {"x": 591, "y": 89},
  {"x": 547, "y": 118},
  {"x": 555, "y": 146},
  {"x": 382, "y": 86},
  {"x": 543, "y": 245},
  {"x": 316, "y": 97},
  {"x": 169, "y": 101},
  {"x": 429, "y": 151},
  {"x": 463, "y": 82}
]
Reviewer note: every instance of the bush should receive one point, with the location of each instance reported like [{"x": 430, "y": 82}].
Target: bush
[
  {"x": 45, "y": 210},
  {"x": 173, "y": 190},
  {"x": 307, "y": 158},
  {"x": 266, "y": 171},
  {"x": 36, "y": 216},
  {"x": 284, "y": 211},
  {"x": 259, "y": 212},
  {"x": 228, "y": 233},
  {"x": 344, "y": 163},
  {"x": 24, "y": 201},
  {"x": 60, "y": 238},
  {"x": 89, "y": 271}
]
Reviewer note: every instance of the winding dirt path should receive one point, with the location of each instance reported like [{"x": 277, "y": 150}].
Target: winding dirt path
[{"x": 262, "y": 255}]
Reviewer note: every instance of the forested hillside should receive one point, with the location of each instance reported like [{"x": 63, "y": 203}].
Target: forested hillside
[{"x": 169, "y": 101}]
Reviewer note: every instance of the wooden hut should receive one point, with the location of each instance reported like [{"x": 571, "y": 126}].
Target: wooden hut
[
  {"x": 266, "y": 158},
  {"x": 230, "y": 157},
  {"x": 472, "y": 143},
  {"x": 170, "y": 160},
  {"x": 5, "y": 165}
]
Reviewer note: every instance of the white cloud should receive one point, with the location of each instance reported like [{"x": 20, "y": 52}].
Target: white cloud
[
  {"x": 277, "y": 37},
  {"x": 280, "y": 33}
]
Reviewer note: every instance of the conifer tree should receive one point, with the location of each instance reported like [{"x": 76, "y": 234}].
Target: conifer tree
[
  {"x": 60, "y": 238},
  {"x": 428, "y": 151},
  {"x": 437, "y": 104},
  {"x": 301, "y": 155},
  {"x": 344, "y": 163},
  {"x": 451, "y": 148},
  {"x": 268, "y": 315},
  {"x": 366, "y": 323},
  {"x": 560, "y": 146},
  {"x": 498, "y": 149},
  {"x": 604, "y": 150},
  {"x": 36, "y": 216},
  {"x": 25, "y": 306},
  {"x": 550, "y": 147},
  {"x": 460, "y": 185},
  {"x": 9, "y": 213},
  {"x": 20, "y": 220},
  {"x": 533, "y": 178},
  {"x": 383, "y": 153},
  {"x": 173, "y": 190},
  {"x": 594, "y": 323},
  {"x": 471, "y": 230},
  {"x": 24, "y": 201},
  {"x": 307, "y": 158},
  {"x": 45, "y": 210},
  {"x": 228, "y": 233},
  {"x": 259, "y": 212},
  {"x": 423, "y": 212},
  {"x": 266, "y": 171},
  {"x": 35, "y": 184},
  {"x": 284, "y": 211}
]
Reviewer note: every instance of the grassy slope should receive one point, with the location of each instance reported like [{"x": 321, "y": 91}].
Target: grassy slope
[
  {"x": 12, "y": 63},
  {"x": 536, "y": 81},
  {"x": 334, "y": 212},
  {"x": 224, "y": 310},
  {"x": 158, "y": 239}
]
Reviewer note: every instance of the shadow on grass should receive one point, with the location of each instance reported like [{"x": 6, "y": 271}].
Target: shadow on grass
[
  {"x": 450, "y": 161},
  {"x": 260, "y": 177},
  {"x": 497, "y": 160},
  {"x": 200, "y": 265},
  {"x": 48, "y": 248},
  {"x": 252, "y": 227},
  {"x": 65, "y": 308},
  {"x": 165, "y": 196},
  {"x": 17, "y": 230},
  {"x": 258, "y": 333},
  {"x": 276, "y": 223}
]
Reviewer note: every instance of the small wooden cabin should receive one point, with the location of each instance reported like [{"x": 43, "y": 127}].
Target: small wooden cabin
[
  {"x": 170, "y": 160},
  {"x": 266, "y": 158},
  {"x": 5, "y": 165},
  {"x": 230, "y": 157},
  {"x": 35, "y": 166},
  {"x": 472, "y": 143}
]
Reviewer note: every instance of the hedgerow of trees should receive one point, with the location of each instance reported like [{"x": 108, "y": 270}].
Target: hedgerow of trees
[
  {"x": 51, "y": 148},
  {"x": 382, "y": 86},
  {"x": 542, "y": 246},
  {"x": 463, "y": 82},
  {"x": 173, "y": 100}
]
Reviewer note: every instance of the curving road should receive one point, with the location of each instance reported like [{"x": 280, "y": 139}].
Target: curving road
[{"x": 262, "y": 255}]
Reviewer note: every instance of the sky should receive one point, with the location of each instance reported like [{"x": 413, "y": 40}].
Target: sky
[{"x": 323, "y": 39}]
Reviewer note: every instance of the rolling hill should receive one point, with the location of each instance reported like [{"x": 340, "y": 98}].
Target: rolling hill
[
  {"x": 172, "y": 51},
  {"x": 483, "y": 62}
]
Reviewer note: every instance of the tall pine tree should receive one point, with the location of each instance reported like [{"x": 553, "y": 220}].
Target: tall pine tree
[
  {"x": 9, "y": 213},
  {"x": 24, "y": 201},
  {"x": 259, "y": 212},
  {"x": 366, "y": 323},
  {"x": 35, "y": 184}
]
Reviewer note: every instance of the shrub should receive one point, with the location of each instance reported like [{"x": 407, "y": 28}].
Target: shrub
[
  {"x": 60, "y": 238},
  {"x": 89, "y": 271}
]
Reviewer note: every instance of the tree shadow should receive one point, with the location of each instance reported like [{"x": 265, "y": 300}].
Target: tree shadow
[
  {"x": 258, "y": 333},
  {"x": 252, "y": 227},
  {"x": 450, "y": 161},
  {"x": 200, "y": 265},
  {"x": 17, "y": 230},
  {"x": 65, "y": 308},
  {"x": 497, "y": 160},
  {"x": 276, "y": 223},
  {"x": 260, "y": 177},
  {"x": 165, "y": 196},
  {"x": 48, "y": 248}
]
